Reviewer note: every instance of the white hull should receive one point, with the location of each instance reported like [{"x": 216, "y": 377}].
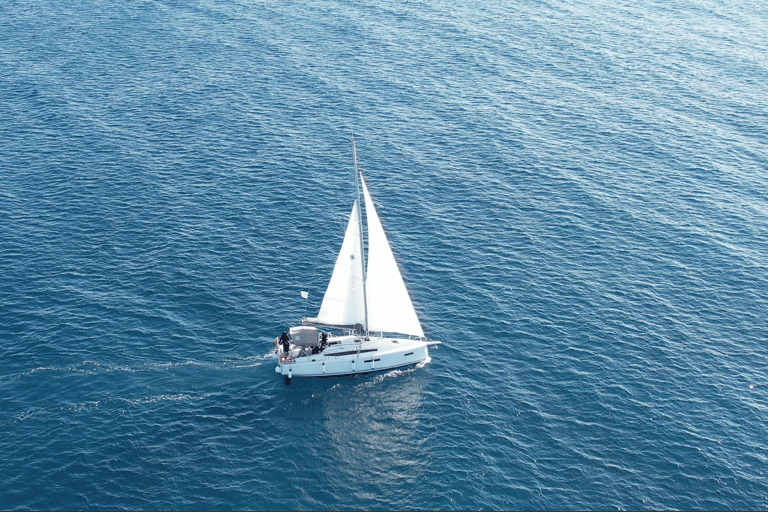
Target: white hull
[{"x": 352, "y": 355}]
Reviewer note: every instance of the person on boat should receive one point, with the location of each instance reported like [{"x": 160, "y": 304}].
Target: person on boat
[
  {"x": 321, "y": 346},
  {"x": 284, "y": 339}
]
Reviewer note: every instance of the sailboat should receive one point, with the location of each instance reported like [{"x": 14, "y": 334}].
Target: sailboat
[{"x": 367, "y": 321}]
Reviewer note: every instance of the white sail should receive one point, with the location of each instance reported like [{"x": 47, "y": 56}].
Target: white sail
[
  {"x": 343, "y": 300},
  {"x": 389, "y": 305}
]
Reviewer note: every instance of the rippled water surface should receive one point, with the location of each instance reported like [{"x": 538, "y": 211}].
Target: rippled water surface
[{"x": 577, "y": 190}]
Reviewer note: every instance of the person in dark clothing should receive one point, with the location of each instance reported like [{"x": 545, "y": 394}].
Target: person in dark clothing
[
  {"x": 284, "y": 339},
  {"x": 323, "y": 340}
]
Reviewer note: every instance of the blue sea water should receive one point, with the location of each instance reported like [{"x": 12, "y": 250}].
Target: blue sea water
[{"x": 577, "y": 191}]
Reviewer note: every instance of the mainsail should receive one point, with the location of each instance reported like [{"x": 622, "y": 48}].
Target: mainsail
[
  {"x": 343, "y": 301},
  {"x": 389, "y": 305}
]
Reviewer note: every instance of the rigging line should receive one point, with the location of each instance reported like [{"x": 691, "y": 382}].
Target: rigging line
[{"x": 306, "y": 300}]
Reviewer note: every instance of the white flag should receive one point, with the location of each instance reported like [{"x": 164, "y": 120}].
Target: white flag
[{"x": 305, "y": 294}]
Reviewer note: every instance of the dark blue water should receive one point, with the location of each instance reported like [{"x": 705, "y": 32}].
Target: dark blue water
[{"x": 577, "y": 190}]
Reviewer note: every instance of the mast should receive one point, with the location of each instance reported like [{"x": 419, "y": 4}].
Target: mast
[{"x": 360, "y": 221}]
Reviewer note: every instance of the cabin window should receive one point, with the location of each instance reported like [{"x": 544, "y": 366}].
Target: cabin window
[
  {"x": 409, "y": 354},
  {"x": 350, "y": 352}
]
